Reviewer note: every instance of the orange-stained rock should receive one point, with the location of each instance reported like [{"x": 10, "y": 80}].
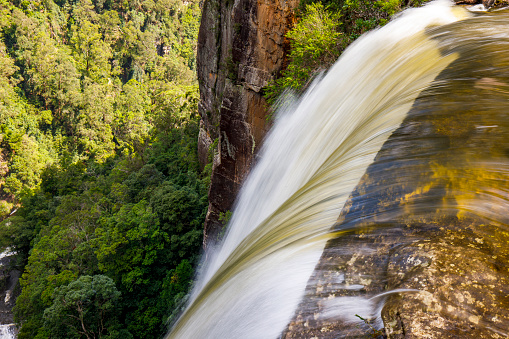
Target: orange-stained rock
[{"x": 241, "y": 47}]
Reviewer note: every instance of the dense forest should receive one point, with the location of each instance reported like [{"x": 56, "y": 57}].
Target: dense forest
[
  {"x": 101, "y": 192},
  {"x": 98, "y": 163}
]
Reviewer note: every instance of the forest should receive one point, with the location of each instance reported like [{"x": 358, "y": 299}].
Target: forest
[{"x": 101, "y": 192}]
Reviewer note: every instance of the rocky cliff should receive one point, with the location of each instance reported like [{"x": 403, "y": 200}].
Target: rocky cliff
[
  {"x": 9, "y": 291},
  {"x": 241, "y": 46}
]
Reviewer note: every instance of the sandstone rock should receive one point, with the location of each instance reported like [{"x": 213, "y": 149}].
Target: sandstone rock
[{"x": 241, "y": 46}]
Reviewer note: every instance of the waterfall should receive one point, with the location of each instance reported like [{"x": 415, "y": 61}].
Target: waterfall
[
  {"x": 320, "y": 150},
  {"x": 8, "y": 331},
  {"x": 9, "y": 279}
]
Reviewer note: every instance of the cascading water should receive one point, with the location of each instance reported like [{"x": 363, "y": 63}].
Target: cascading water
[
  {"x": 8, "y": 331},
  {"x": 319, "y": 163}
]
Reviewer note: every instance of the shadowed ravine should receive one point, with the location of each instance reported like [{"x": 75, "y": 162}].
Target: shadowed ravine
[{"x": 406, "y": 139}]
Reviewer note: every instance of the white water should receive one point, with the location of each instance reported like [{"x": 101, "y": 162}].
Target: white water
[
  {"x": 313, "y": 158},
  {"x": 8, "y": 331},
  {"x": 7, "y": 253}
]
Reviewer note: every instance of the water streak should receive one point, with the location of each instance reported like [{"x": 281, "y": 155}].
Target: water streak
[
  {"x": 430, "y": 213},
  {"x": 8, "y": 331},
  {"x": 313, "y": 158}
]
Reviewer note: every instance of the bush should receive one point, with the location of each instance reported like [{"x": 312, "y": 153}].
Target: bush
[{"x": 315, "y": 42}]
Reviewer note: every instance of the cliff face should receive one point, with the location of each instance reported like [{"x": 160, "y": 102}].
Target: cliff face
[
  {"x": 9, "y": 291},
  {"x": 241, "y": 46}
]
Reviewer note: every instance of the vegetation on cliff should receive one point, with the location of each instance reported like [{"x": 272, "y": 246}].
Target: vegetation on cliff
[
  {"x": 323, "y": 29},
  {"x": 98, "y": 163}
]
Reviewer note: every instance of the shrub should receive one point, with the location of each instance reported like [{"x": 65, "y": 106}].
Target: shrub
[{"x": 315, "y": 41}]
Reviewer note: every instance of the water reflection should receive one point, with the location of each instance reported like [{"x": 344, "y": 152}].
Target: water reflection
[{"x": 428, "y": 221}]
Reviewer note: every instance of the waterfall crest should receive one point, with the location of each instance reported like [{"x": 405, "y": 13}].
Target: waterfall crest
[{"x": 315, "y": 156}]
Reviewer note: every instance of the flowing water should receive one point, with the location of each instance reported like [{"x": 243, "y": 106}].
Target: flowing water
[
  {"x": 9, "y": 279},
  {"x": 8, "y": 331},
  {"x": 392, "y": 166}
]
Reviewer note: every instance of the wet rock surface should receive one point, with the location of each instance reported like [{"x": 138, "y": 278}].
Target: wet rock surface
[
  {"x": 463, "y": 292},
  {"x": 421, "y": 248},
  {"x": 9, "y": 290}
]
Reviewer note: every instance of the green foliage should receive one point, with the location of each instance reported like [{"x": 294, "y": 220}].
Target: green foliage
[
  {"x": 91, "y": 52},
  {"x": 232, "y": 69},
  {"x": 319, "y": 37},
  {"x": 132, "y": 222},
  {"x": 130, "y": 125},
  {"x": 64, "y": 80},
  {"x": 224, "y": 218},
  {"x": 315, "y": 41},
  {"x": 174, "y": 289},
  {"x": 85, "y": 307},
  {"x": 389, "y": 6},
  {"x": 314, "y": 38},
  {"x": 98, "y": 160}
]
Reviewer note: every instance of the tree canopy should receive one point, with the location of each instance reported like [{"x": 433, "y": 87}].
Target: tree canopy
[{"x": 101, "y": 192}]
